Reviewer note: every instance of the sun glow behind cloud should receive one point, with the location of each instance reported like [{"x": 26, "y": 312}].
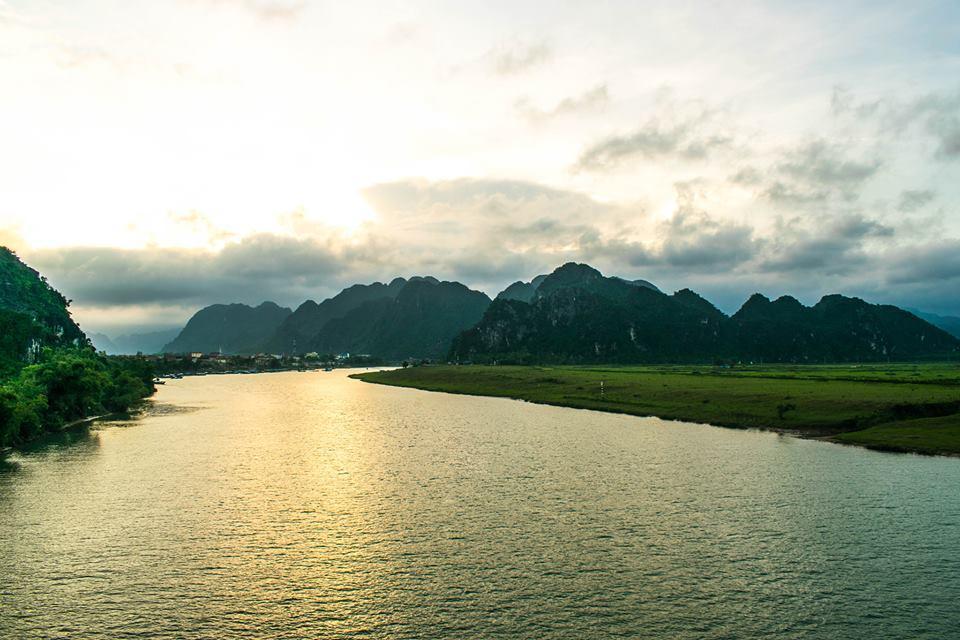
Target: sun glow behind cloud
[{"x": 485, "y": 142}]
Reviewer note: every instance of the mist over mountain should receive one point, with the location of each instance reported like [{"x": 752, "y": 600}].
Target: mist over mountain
[
  {"x": 577, "y": 315},
  {"x": 950, "y": 324},
  {"x": 102, "y": 342},
  {"x": 133, "y": 343},
  {"x": 231, "y": 328}
]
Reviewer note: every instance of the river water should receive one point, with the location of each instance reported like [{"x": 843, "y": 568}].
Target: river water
[{"x": 309, "y": 505}]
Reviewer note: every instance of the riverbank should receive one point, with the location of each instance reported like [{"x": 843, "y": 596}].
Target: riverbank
[{"x": 902, "y": 407}]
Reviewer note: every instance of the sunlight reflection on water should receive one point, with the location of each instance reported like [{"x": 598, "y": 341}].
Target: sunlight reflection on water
[{"x": 296, "y": 505}]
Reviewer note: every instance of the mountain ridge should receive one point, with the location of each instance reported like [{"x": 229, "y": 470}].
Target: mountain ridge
[
  {"x": 577, "y": 315},
  {"x": 230, "y": 328}
]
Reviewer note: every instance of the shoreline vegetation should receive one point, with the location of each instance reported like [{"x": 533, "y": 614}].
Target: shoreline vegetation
[
  {"x": 65, "y": 387},
  {"x": 909, "y": 408}
]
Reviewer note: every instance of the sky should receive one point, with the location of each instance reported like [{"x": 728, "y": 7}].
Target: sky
[{"x": 159, "y": 157}]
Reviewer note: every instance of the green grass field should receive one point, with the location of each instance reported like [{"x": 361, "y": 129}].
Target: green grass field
[{"x": 898, "y": 407}]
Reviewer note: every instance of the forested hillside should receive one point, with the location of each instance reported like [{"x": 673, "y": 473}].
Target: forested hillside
[{"x": 49, "y": 373}]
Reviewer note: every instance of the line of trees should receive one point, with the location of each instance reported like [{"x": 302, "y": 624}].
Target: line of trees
[{"x": 66, "y": 384}]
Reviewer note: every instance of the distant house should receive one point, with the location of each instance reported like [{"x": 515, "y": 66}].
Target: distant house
[
  {"x": 196, "y": 355},
  {"x": 343, "y": 356}
]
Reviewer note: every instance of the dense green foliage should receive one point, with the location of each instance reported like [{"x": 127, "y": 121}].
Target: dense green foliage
[
  {"x": 49, "y": 375},
  {"x": 230, "y": 328},
  {"x": 23, "y": 290},
  {"x": 68, "y": 384},
  {"x": 875, "y": 405},
  {"x": 32, "y": 315},
  {"x": 578, "y": 316},
  {"x": 940, "y": 434},
  {"x": 419, "y": 322}
]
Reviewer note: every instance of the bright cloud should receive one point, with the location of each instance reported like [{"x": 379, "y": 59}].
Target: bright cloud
[{"x": 161, "y": 156}]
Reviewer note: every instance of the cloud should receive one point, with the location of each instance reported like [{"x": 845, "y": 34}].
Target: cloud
[
  {"x": 266, "y": 10},
  {"x": 842, "y": 103},
  {"x": 590, "y": 100},
  {"x": 253, "y": 269},
  {"x": 935, "y": 263},
  {"x": 489, "y": 232},
  {"x": 482, "y": 232},
  {"x": 200, "y": 226},
  {"x": 815, "y": 171},
  {"x": 835, "y": 246},
  {"x": 936, "y": 114},
  {"x": 509, "y": 58},
  {"x": 450, "y": 206},
  {"x": 822, "y": 163},
  {"x": 689, "y": 132},
  {"x": 690, "y": 241},
  {"x": 912, "y": 200},
  {"x": 11, "y": 16},
  {"x": 71, "y": 56},
  {"x": 939, "y": 114}
]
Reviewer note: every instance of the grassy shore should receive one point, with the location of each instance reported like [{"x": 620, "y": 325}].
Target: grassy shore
[{"x": 901, "y": 407}]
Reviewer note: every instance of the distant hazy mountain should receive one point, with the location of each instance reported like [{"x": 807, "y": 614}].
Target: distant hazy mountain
[
  {"x": 950, "y": 324},
  {"x": 578, "y": 315},
  {"x": 419, "y": 321},
  {"x": 148, "y": 342},
  {"x": 134, "y": 343},
  {"x": 232, "y": 328},
  {"x": 298, "y": 329},
  {"x": 102, "y": 342}
]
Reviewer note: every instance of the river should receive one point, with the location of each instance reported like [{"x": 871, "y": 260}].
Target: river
[{"x": 310, "y": 505}]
